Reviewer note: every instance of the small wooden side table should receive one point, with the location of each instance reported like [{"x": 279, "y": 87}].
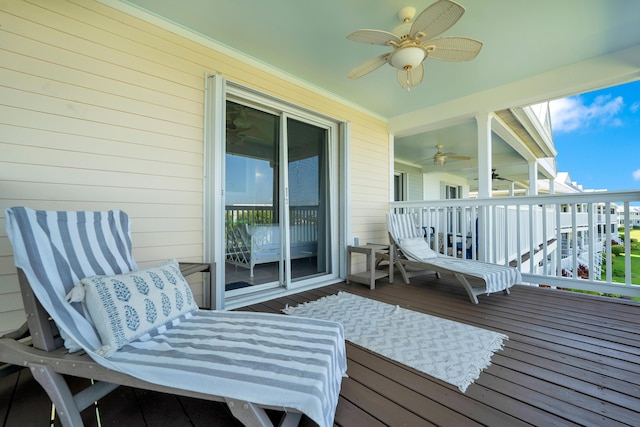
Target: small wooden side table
[
  {"x": 187, "y": 268},
  {"x": 371, "y": 274}
]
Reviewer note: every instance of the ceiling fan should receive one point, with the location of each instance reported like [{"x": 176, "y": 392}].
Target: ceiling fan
[
  {"x": 414, "y": 41},
  {"x": 440, "y": 158},
  {"x": 237, "y": 124},
  {"x": 495, "y": 175}
]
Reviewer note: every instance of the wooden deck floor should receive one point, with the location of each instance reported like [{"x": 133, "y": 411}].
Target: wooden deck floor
[{"x": 571, "y": 359}]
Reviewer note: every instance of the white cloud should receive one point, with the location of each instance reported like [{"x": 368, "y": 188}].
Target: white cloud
[
  {"x": 570, "y": 114},
  {"x": 635, "y": 107},
  {"x": 636, "y": 175}
]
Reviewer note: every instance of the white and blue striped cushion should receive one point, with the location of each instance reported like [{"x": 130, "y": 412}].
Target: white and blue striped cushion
[
  {"x": 417, "y": 248},
  {"x": 269, "y": 359},
  {"x": 402, "y": 226},
  {"x": 496, "y": 277},
  {"x": 56, "y": 249}
]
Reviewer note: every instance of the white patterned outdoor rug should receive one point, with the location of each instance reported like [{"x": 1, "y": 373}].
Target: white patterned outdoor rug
[{"x": 448, "y": 350}]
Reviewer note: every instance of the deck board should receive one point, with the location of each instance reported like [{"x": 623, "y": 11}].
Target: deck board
[{"x": 571, "y": 359}]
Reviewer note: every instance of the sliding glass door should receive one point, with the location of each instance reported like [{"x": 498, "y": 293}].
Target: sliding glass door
[{"x": 277, "y": 205}]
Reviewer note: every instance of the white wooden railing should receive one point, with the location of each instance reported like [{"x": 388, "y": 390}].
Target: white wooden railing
[
  {"x": 303, "y": 219},
  {"x": 539, "y": 235}
]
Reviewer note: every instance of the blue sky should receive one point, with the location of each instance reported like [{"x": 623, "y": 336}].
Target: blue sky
[{"x": 597, "y": 136}]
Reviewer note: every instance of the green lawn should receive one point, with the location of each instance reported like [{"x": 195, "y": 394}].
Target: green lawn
[{"x": 617, "y": 264}]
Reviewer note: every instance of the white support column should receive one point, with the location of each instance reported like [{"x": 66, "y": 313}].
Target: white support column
[
  {"x": 484, "y": 154},
  {"x": 533, "y": 178},
  {"x": 392, "y": 156},
  {"x": 552, "y": 186},
  {"x": 484, "y": 183}
]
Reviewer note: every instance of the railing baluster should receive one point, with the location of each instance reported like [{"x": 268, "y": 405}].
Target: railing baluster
[
  {"x": 558, "y": 242},
  {"x": 609, "y": 240},
  {"x": 574, "y": 241},
  {"x": 627, "y": 247}
]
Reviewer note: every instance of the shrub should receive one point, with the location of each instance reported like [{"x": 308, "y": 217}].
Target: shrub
[
  {"x": 617, "y": 249},
  {"x": 583, "y": 271}
]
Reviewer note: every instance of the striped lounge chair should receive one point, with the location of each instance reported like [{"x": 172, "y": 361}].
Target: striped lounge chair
[
  {"x": 122, "y": 325},
  {"x": 415, "y": 257}
]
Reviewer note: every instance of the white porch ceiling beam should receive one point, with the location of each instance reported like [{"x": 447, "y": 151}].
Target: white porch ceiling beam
[
  {"x": 607, "y": 70},
  {"x": 506, "y": 133}
]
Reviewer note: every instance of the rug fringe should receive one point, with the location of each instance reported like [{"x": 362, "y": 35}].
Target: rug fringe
[{"x": 484, "y": 362}]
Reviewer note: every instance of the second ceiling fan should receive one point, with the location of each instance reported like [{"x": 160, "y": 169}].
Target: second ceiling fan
[
  {"x": 495, "y": 175},
  {"x": 440, "y": 158}
]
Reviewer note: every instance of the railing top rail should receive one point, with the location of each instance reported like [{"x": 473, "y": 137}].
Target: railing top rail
[{"x": 591, "y": 197}]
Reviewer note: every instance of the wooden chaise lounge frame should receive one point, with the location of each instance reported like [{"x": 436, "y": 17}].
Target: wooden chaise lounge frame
[
  {"x": 410, "y": 268},
  {"x": 49, "y": 360}
]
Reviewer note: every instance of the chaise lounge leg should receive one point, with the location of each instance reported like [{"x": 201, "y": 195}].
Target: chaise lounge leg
[
  {"x": 467, "y": 287},
  {"x": 470, "y": 291},
  {"x": 403, "y": 271},
  {"x": 69, "y": 406},
  {"x": 59, "y": 393},
  {"x": 249, "y": 414},
  {"x": 291, "y": 419}
]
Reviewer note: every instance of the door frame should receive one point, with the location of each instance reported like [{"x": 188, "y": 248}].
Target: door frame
[{"x": 216, "y": 90}]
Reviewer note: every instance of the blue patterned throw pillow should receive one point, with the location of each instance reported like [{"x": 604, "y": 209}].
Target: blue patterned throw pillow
[{"x": 127, "y": 306}]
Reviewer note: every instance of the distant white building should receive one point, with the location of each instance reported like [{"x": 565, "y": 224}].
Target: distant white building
[{"x": 634, "y": 216}]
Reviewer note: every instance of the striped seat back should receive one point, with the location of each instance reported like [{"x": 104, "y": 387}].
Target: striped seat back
[
  {"x": 402, "y": 226},
  {"x": 55, "y": 249}
]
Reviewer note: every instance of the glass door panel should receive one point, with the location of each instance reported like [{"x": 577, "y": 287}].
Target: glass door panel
[
  {"x": 307, "y": 203},
  {"x": 252, "y": 200}
]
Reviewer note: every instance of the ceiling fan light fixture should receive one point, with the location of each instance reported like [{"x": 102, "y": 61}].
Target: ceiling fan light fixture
[
  {"x": 415, "y": 40},
  {"x": 242, "y": 123},
  {"x": 407, "y": 58}
]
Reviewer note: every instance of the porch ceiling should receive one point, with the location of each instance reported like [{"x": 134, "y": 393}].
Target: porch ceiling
[
  {"x": 522, "y": 40},
  {"x": 533, "y": 51}
]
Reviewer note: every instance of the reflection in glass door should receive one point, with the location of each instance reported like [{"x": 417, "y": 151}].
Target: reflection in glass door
[
  {"x": 276, "y": 218},
  {"x": 307, "y": 177},
  {"x": 252, "y": 220}
]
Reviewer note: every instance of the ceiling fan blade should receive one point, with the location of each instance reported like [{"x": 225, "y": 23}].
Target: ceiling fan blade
[
  {"x": 436, "y": 19},
  {"x": 459, "y": 157},
  {"x": 453, "y": 48},
  {"x": 412, "y": 77},
  {"x": 378, "y": 37},
  {"x": 368, "y": 66}
]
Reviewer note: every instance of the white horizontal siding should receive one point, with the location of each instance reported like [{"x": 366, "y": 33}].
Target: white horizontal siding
[
  {"x": 414, "y": 180},
  {"x": 101, "y": 110}
]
